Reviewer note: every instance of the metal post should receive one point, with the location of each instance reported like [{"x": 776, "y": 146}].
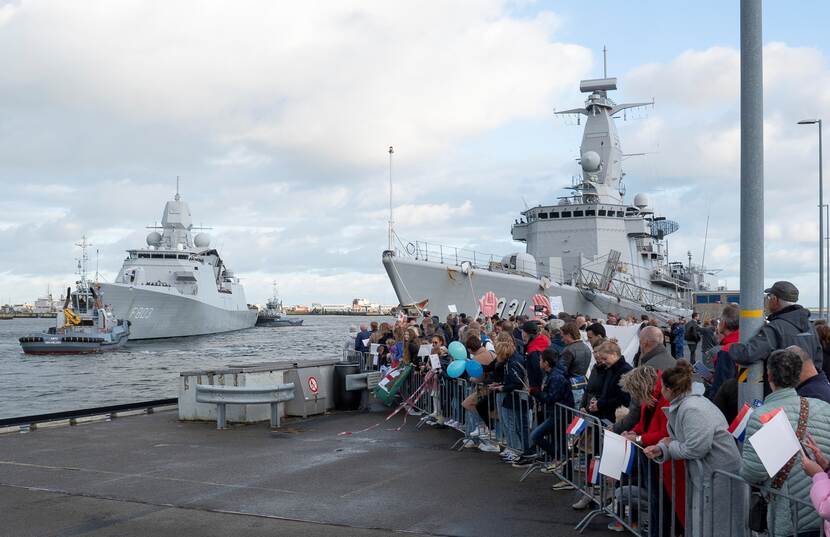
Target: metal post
[
  {"x": 752, "y": 190},
  {"x": 391, "y": 220},
  {"x": 822, "y": 312}
]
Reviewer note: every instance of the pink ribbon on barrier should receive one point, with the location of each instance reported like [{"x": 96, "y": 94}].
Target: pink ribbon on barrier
[{"x": 430, "y": 380}]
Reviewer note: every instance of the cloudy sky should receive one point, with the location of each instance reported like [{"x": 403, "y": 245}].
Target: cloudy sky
[{"x": 277, "y": 116}]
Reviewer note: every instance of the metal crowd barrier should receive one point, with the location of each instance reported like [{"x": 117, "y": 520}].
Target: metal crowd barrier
[{"x": 647, "y": 501}]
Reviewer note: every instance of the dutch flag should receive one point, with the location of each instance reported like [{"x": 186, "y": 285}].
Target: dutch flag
[
  {"x": 738, "y": 425},
  {"x": 630, "y": 453},
  {"x": 593, "y": 471},
  {"x": 577, "y": 426}
]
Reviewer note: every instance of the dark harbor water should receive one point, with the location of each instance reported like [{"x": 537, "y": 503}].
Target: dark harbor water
[{"x": 147, "y": 370}]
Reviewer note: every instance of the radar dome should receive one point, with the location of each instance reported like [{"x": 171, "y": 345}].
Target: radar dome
[
  {"x": 641, "y": 201},
  {"x": 153, "y": 238},
  {"x": 201, "y": 240},
  {"x": 590, "y": 161}
]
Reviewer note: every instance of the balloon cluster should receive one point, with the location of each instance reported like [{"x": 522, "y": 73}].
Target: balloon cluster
[{"x": 461, "y": 364}]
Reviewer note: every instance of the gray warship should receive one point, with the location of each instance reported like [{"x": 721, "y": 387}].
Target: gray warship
[
  {"x": 590, "y": 252},
  {"x": 85, "y": 325},
  {"x": 178, "y": 285}
]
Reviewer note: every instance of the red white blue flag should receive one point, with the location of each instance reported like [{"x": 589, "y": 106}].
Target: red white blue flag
[
  {"x": 577, "y": 426},
  {"x": 738, "y": 426},
  {"x": 630, "y": 454},
  {"x": 593, "y": 471}
]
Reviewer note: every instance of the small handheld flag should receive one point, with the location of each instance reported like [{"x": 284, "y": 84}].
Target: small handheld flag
[
  {"x": 630, "y": 452},
  {"x": 593, "y": 471},
  {"x": 577, "y": 426},
  {"x": 738, "y": 426},
  {"x": 769, "y": 415}
]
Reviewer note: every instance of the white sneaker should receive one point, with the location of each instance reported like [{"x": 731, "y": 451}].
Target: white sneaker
[
  {"x": 488, "y": 447},
  {"x": 469, "y": 443}
]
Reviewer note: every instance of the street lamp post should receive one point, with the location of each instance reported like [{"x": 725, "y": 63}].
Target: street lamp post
[{"x": 821, "y": 312}]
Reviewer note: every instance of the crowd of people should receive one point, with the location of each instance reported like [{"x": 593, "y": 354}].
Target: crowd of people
[{"x": 677, "y": 410}]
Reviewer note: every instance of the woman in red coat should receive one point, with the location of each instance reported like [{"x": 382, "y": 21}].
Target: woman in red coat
[{"x": 643, "y": 383}]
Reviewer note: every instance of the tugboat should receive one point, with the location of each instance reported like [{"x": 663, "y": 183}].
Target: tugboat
[
  {"x": 84, "y": 326},
  {"x": 273, "y": 312}
]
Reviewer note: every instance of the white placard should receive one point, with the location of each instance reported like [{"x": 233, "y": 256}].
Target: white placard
[
  {"x": 775, "y": 442},
  {"x": 425, "y": 350},
  {"x": 375, "y": 359},
  {"x": 373, "y": 348},
  {"x": 556, "y": 306},
  {"x": 434, "y": 362},
  {"x": 613, "y": 458},
  {"x": 452, "y": 308},
  {"x": 366, "y": 342}
]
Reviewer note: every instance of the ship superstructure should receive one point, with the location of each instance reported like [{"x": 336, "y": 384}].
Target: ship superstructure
[
  {"x": 178, "y": 285},
  {"x": 591, "y": 248}
]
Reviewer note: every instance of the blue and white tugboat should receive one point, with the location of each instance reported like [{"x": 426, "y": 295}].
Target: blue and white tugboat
[{"x": 85, "y": 325}]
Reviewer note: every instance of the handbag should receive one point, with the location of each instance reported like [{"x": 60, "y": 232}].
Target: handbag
[{"x": 759, "y": 502}]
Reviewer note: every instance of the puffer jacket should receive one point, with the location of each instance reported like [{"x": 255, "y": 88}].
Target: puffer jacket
[{"x": 797, "y": 485}]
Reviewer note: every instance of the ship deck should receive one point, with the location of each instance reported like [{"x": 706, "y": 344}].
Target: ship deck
[{"x": 155, "y": 475}]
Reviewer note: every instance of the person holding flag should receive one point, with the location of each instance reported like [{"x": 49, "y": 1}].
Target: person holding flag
[
  {"x": 699, "y": 432},
  {"x": 806, "y": 416},
  {"x": 644, "y": 385}
]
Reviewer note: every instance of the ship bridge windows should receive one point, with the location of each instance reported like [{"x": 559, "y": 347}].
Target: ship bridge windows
[
  {"x": 578, "y": 214},
  {"x": 566, "y": 214},
  {"x": 602, "y": 212},
  {"x": 554, "y": 215},
  {"x": 543, "y": 216},
  {"x": 620, "y": 214},
  {"x": 157, "y": 256},
  {"x": 590, "y": 212},
  {"x": 144, "y": 256}
]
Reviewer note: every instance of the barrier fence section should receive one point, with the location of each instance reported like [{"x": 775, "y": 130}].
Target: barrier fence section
[{"x": 650, "y": 499}]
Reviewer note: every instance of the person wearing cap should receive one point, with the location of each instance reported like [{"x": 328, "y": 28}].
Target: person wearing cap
[
  {"x": 554, "y": 327},
  {"x": 535, "y": 343},
  {"x": 788, "y": 324}
]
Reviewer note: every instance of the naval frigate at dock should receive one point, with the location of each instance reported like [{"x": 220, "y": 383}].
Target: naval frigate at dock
[
  {"x": 178, "y": 285},
  {"x": 593, "y": 250}
]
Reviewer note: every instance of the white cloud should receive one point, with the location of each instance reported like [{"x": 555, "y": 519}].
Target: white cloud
[{"x": 339, "y": 80}]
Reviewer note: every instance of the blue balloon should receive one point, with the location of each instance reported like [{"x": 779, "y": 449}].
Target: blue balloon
[
  {"x": 474, "y": 369},
  {"x": 457, "y": 350},
  {"x": 456, "y": 369}
]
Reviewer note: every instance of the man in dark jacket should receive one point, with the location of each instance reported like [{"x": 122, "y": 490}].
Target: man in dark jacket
[
  {"x": 692, "y": 335},
  {"x": 534, "y": 345},
  {"x": 788, "y": 324},
  {"x": 555, "y": 389},
  {"x": 362, "y": 339},
  {"x": 811, "y": 383},
  {"x": 652, "y": 353}
]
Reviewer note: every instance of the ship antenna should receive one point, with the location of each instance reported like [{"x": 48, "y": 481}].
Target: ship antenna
[
  {"x": 705, "y": 238},
  {"x": 177, "y": 188},
  {"x": 96, "y": 265},
  {"x": 604, "y": 62},
  {"x": 391, "y": 220}
]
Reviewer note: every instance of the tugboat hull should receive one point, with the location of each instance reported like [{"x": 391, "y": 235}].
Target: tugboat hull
[{"x": 69, "y": 344}]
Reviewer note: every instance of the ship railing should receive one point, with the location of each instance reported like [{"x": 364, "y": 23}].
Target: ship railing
[
  {"x": 589, "y": 279},
  {"x": 446, "y": 255}
]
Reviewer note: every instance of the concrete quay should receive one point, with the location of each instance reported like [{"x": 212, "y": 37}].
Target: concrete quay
[{"x": 155, "y": 475}]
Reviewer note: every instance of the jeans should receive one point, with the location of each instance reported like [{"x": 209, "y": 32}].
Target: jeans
[{"x": 516, "y": 423}]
